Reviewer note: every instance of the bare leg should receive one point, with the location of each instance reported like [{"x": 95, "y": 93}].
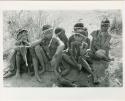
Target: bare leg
[
  {"x": 85, "y": 65},
  {"x": 88, "y": 68},
  {"x": 68, "y": 60},
  {"x": 39, "y": 52},
  {"x": 88, "y": 42},
  {"x": 18, "y": 63},
  {"x": 57, "y": 58},
  {"x": 35, "y": 64}
]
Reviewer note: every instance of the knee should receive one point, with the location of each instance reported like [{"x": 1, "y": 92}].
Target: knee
[
  {"x": 63, "y": 56},
  {"x": 18, "y": 56},
  {"x": 37, "y": 48},
  {"x": 18, "y": 53},
  {"x": 32, "y": 52}
]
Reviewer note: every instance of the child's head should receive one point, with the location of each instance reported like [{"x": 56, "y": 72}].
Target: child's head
[
  {"x": 105, "y": 24},
  {"x": 78, "y": 27},
  {"x": 22, "y": 35},
  {"x": 47, "y": 31},
  {"x": 59, "y": 32}
]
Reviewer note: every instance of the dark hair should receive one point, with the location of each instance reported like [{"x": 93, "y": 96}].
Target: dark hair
[
  {"x": 58, "y": 30},
  {"x": 79, "y": 25},
  {"x": 45, "y": 27},
  {"x": 21, "y": 32},
  {"x": 105, "y": 22}
]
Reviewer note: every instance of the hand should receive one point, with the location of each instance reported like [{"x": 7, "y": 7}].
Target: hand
[
  {"x": 26, "y": 42},
  {"x": 53, "y": 62},
  {"x": 100, "y": 53},
  {"x": 79, "y": 67},
  {"x": 66, "y": 50},
  {"x": 88, "y": 52},
  {"x": 59, "y": 76}
]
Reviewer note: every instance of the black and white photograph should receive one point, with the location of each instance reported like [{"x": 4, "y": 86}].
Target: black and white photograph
[{"x": 62, "y": 48}]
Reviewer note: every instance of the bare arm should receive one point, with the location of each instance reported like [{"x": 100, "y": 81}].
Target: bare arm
[
  {"x": 93, "y": 46},
  {"x": 32, "y": 44},
  {"x": 56, "y": 58},
  {"x": 66, "y": 71},
  {"x": 76, "y": 64},
  {"x": 83, "y": 48},
  {"x": 107, "y": 43},
  {"x": 60, "y": 47}
]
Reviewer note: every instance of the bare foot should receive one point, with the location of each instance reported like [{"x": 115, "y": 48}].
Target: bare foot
[
  {"x": 17, "y": 76},
  {"x": 29, "y": 73},
  {"x": 41, "y": 72},
  {"x": 95, "y": 80},
  {"x": 38, "y": 78}
]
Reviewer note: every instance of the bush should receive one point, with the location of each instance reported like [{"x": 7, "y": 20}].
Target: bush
[
  {"x": 29, "y": 20},
  {"x": 116, "y": 26}
]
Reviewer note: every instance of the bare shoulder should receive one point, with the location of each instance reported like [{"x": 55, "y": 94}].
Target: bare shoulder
[{"x": 94, "y": 32}]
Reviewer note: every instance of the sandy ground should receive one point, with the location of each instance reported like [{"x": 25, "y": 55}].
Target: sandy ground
[
  {"x": 30, "y": 81},
  {"x": 113, "y": 79},
  {"x": 115, "y": 68}
]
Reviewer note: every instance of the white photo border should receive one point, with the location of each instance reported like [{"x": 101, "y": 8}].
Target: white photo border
[{"x": 62, "y": 94}]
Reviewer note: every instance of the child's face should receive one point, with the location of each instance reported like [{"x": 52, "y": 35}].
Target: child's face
[
  {"x": 48, "y": 34},
  {"x": 79, "y": 30},
  {"x": 104, "y": 28},
  {"x": 23, "y": 36}
]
